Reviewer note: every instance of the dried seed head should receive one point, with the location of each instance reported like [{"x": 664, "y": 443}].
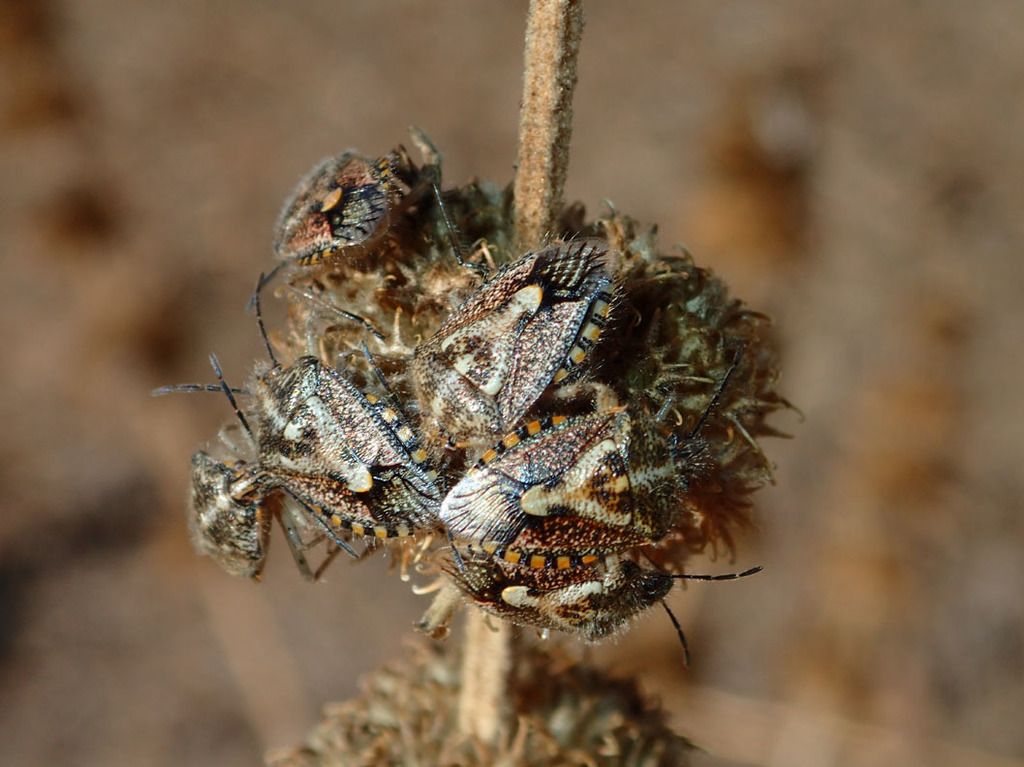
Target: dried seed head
[
  {"x": 566, "y": 713},
  {"x": 673, "y": 376},
  {"x": 475, "y": 363}
]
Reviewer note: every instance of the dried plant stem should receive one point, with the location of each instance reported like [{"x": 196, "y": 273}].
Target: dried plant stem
[
  {"x": 553, "y": 36},
  {"x": 487, "y": 660},
  {"x": 553, "y": 32}
]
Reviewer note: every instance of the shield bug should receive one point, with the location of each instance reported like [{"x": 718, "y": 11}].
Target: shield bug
[
  {"x": 223, "y": 524},
  {"x": 531, "y": 325},
  {"x": 560, "y": 492},
  {"x": 230, "y": 518},
  {"x": 350, "y": 459},
  {"x": 344, "y": 202},
  {"x": 231, "y": 505},
  {"x": 226, "y": 521},
  {"x": 593, "y": 602}
]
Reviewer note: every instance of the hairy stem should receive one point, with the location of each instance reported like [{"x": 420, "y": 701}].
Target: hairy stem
[
  {"x": 486, "y": 662},
  {"x": 553, "y": 32},
  {"x": 553, "y": 36}
]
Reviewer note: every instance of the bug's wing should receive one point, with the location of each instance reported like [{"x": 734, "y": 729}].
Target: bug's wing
[
  {"x": 565, "y": 488},
  {"x": 460, "y": 370},
  {"x": 530, "y": 325}
]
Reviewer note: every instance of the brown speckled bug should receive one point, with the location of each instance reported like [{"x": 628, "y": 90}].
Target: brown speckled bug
[
  {"x": 531, "y": 325},
  {"x": 562, "y": 491}
]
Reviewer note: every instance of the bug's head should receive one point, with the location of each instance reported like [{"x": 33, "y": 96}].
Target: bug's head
[
  {"x": 343, "y": 202},
  {"x": 226, "y": 518}
]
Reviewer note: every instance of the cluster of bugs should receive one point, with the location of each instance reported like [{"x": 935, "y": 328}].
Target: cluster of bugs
[{"x": 536, "y": 482}]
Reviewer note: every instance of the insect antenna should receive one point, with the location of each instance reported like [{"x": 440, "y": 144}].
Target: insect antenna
[
  {"x": 679, "y": 632},
  {"x": 718, "y": 395},
  {"x": 229, "y": 393},
  {"x": 255, "y": 301},
  {"x": 379, "y": 375},
  {"x": 192, "y": 388},
  {"x": 692, "y": 450},
  {"x": 314, "y": 299},
  {"x": 262, "y": 283},
  {"x": 725, "y": 577},
  {"x": 456, "y": 248}
]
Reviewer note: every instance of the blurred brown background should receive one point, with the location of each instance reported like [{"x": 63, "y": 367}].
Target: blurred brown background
[{"x": 855, "y": 170}]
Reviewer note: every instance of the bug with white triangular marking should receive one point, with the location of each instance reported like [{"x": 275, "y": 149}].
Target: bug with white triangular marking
[
  {"x": 350, "y": 460},
  {"x": 530, "y": 326},
  {"x": 592, "y": 602}
]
